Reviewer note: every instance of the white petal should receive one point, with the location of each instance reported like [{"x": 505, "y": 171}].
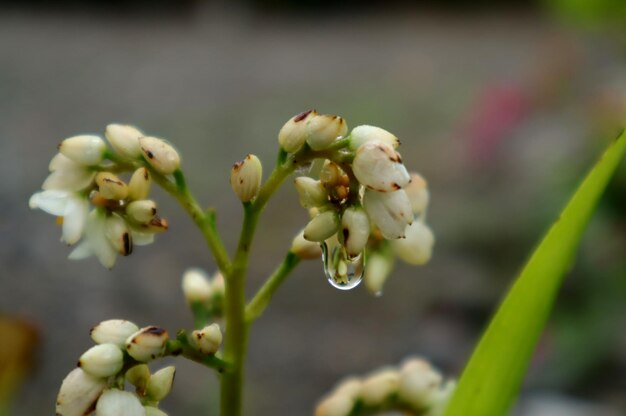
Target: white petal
[
  {"x": 99, "y": 244},
  {"x": 69, "y": 179},
  {"x": 53, "y": 201},
  {"x": 417, "y": 247},
  {"x": 389, "y": 211},
  {"x": 378, "y": 166},
  {"x": 62, "y": 162},
  {"x": 140, "y": 238},
  {"x": 74, "y": 219},
  {"x": 81, "y": 251},
  {"x": 119, "y": 403}
]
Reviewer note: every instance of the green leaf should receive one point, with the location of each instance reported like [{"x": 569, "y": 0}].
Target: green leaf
[{"x": 492, "y": 379}]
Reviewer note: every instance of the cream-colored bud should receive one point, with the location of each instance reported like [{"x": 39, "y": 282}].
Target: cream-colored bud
[
  {"x": 305, "y": 249},
  {"x": 196, "y": 286},
  {"x": 418, "y": 383},
  {"x": 389, "y": 211},
  {"x": 110, "y": 186},
  {"x": 363, "y": 134},
  {"x": 142, "y": 211},
  {"x": 418, "y": 194},
  {"x": 208, "y": 339},
  {"x": 376, "y": 273},
  {"x": 86, "y": 150},
  {"x": 355, "y": 230},
  {"x": 119, "y": 236},
  {"x": 218, "y": 286},
  {"x": 331, "y": 175},
  {"x": 350, "y": 387},
  {"x": 334, "y": 405},
  {"x": 440, "y": 399},
  {"x": 417, "y": 247},
  {"x": 379, "y": 385},
  {"x": 153, "y": 411},
  {"x": 147, "y": 344},
  {"x": 322, "y": 226},
  {"x": 139, "y": 184},
  {"x": 102, "y": 360},
  {"x": 245, "y": 177},
  {"x": 159, "y": 154},
  {"x": 79, "y": 393},
  {"x": 293, "y": 134},
  {"x": 124, "y": 139},
  {"x": 323, "y": 130},
  {"x": 160, "y": 383},
  {"x": 138, "y": 376},
  {"x": 311, "y": 192},
  {"x": 116, "y": 402},
  {"x": 379, "y": 167},
  {"x": 113, "y": 331}
]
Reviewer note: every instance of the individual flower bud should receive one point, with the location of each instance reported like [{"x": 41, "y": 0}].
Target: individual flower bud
[
  {"x": 124, "y": 139},
  {"x": 155, "y": 226},
  {"x": 110, "y": 186},
  {"x": 142, "y": 211},
  {"x": 440, "y": 399},
  {"x": 364, "y": 134},
  {"x": 86, "y": 150},
  {"x": 67, "y": 175},
  {"x": 79, "y": 393},
  {"x": 322, "y": 226},
  {"x": 417, "y": 247},
  {"x": 355, "y": 230},
  {"x": 293, "y": 134},
  {"x": 116, "y": 402},
  {"x": 160, "y": 383},
  {"x": 117, "y": 233},
  {"x": 379, "y": 167},
  {"x": 218, "y": 285},
  {"x": 147, "y": 344},
  {"x": 113, "y": 331},
  {"x": 208, "y": 339},
  {"x": 138, "y": 376},
  {"x": 389, "y": 211},
  {"x": 153, "y": 411},
  {"x": 418, "y": 383},
  {"x": 335, "y": 405},
  {"x": 245, "y": 177},
  {"x": 322, "y": 130},
  {"x": 139, "y": 184},
  {"x": 102, "y": 360},
  {"x": 196, "y": 286},
  {"x": 376, "y": 273},
  {"x": 311, "y": 192},
  {"x": 417, "y": 191},
  {"x": 305, "y": 249},
  {"x": 379, "y": 385},
  {"x": 350, "y": 387},
  {"x": 160, "y": 154},
  {"x": 331, "y": 175}
]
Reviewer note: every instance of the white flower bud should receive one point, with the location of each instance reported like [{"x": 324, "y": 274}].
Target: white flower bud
[
  {"x": 196, "y": 286},
  {"x": 160, "y": 383},
  {"x": 217, "y": 284},
  {"x": 363, "y": 134},
  {"x": 389, "y": 211},
  {"x": 160, "y": 154},
  {"x": 305, "y": 249},
  {"x": 417, "y": 191},
  {"x": 379, "y": 167},
  {"x": 376, "y": 273},
  {"x": 102, "y": 360},
  {"x": 322, "y": 226},
  {"x": 147, "y": 344},
  {"x": 124, "y": 139},
  {"x": 439, "y": 400},
  {"x": 79, "y": 393},
  {"x": 355, "y": 230},
  {"x": 208, "y": 339},
  {"x": 155, "y": 225},
  {"x": 293, "y": 134},
  {"x": 113, "y": 331},
  {"x": 153, "y": 411},
  {"x": 350, "y": 387},
  {"x": 335, "y": 405},
  {"x": 86, "y": 150},
  {"x": 379, "y": 385},
  {"x": 417, "y": 247},
  {"x": 142, "y": 211},
  {"x": 139, "y": 184},
  {"x": 323, "y": 130},
  {"x": 116, "y": 402},
  {"x": 311, "y": 192},
  {"x": 418, "y": 383},
  {"x": 245, "y": 177},
  {"x": 110, "y": 186},
  {"x": 117, "y": 234},
  {"x": 138, "y": 376}
]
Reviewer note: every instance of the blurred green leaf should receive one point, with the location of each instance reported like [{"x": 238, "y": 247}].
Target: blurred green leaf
[{"x": 492, "y": 379}]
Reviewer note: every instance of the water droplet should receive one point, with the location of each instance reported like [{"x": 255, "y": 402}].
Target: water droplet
[{"x": 342, "y": 271}]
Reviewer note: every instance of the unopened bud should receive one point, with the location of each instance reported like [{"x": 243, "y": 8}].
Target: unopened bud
[
  {"x": 196, "y": 286},
  {"x": 139, "y": 184},
  {"x": 142, "y": 211},
  {"x": 418, "y": 383},
  {"x": 350, "y": 387},
  {"x": 208, "y": 339},
  {"x": 323, "y": 130},
  {"x": 417, "y": 247},
  {"x": 293, "y": 134},
  {"x": 153, "y": 411},
  {"x": 160, "y": 154},
  {"x": 79, "y": 393},
  {"x": 376, "y": 273},
  {"x": 86, "y": 150},
  {"x": 119, "y": 236},
  {"x": 335, "y": 405},
  {"x": 417, "y": 191},
  {"x": 113, "y": 331},
  {"x": 160, "y": 383},
  {"x": 355, "y": 230},
  {"x": 331, "y": 175},
  {"x": 363, "y": 134},
  {"x": 147, "y": 344},
  {"x": 389, "y": 211},
  {"x": 116, "y": 402},
  {"x": 379, "y": 386},
  {"x": 155, "y": 225},
  {"x": 102, "y": 360},
  {"x": 305, "y": 249},
  {"x": 245, "y": 177},
  {"x": 322, "y": 226},
  {"x": 124, "y": 139},
  {"x": 379, "y": 167},
  {"x": 311, "y": 192},
  {"x": 138, "y": 376},
  {"x": 110, "y": 186},
  {"x": 218, "y": 285}
]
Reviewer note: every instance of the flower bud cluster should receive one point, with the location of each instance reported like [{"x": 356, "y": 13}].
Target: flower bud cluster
[
  {"x": 415, "y": 386},
  {"x": 202, "y": 291},
  {"x": 91, "y": 201},
  {"x": 92, "y": 385}
]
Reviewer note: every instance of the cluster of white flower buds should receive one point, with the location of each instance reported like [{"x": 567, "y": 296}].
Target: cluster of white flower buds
[
  {"x": 202, "y": 291},
  {"x": 362, "y": 197},
  {"x": 95, "y": 384},
  {"x": 416, "y": 387},
  {"x": 90, "y": 200}
]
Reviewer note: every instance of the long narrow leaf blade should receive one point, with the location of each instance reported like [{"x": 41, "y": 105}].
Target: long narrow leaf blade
[{"x": 492, "y": 379}]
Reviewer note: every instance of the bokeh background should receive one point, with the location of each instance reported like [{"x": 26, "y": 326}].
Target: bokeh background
[{"x": 501, "y": 109}]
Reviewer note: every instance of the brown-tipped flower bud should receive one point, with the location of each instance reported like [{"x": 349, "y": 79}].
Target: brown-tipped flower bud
[
  {"x": 116, "y": 402},
  {"x": 113, "y": 331},
  {"x": 102, "y": 360},
  {"x": 86, "y": 150},
  {"x": 311, "y": 192},
  {"x": 363, "y": 134},
  {"x": 245, "y": 177},
  {"x": 110, "y": 186},
  {"x": 379, "y": 167},
  {"x": 331, "y": 175},
  {"x": 196, "y": 286},
  {"x": 142, "y": 211},
  {"x": 417, "y": 247},
  {"x": 293, "y": 134},
  {"x": 417, "y": 191},
  {"x": 323, "y": 130},
  {"x": 124, "y": 139},
  {"x": 155, "y": 225},
  {"x": 159, "y": 154},
  {"x": 160, "y": 383},
  {"x": 379, "y": 385},
  {"x": 322, "y": 226},
  {"x": 139, "y": 184},
  {"x": 79, "y": 393},
  {"x": 147, "y": 344},
  {"x": 119, "y": 236},
  {"x": 138, "y": 376},
  {"x": 355, "y": 230},
  {"x": 208, "y": 339},
  {"x": 305, "y": 249}
]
